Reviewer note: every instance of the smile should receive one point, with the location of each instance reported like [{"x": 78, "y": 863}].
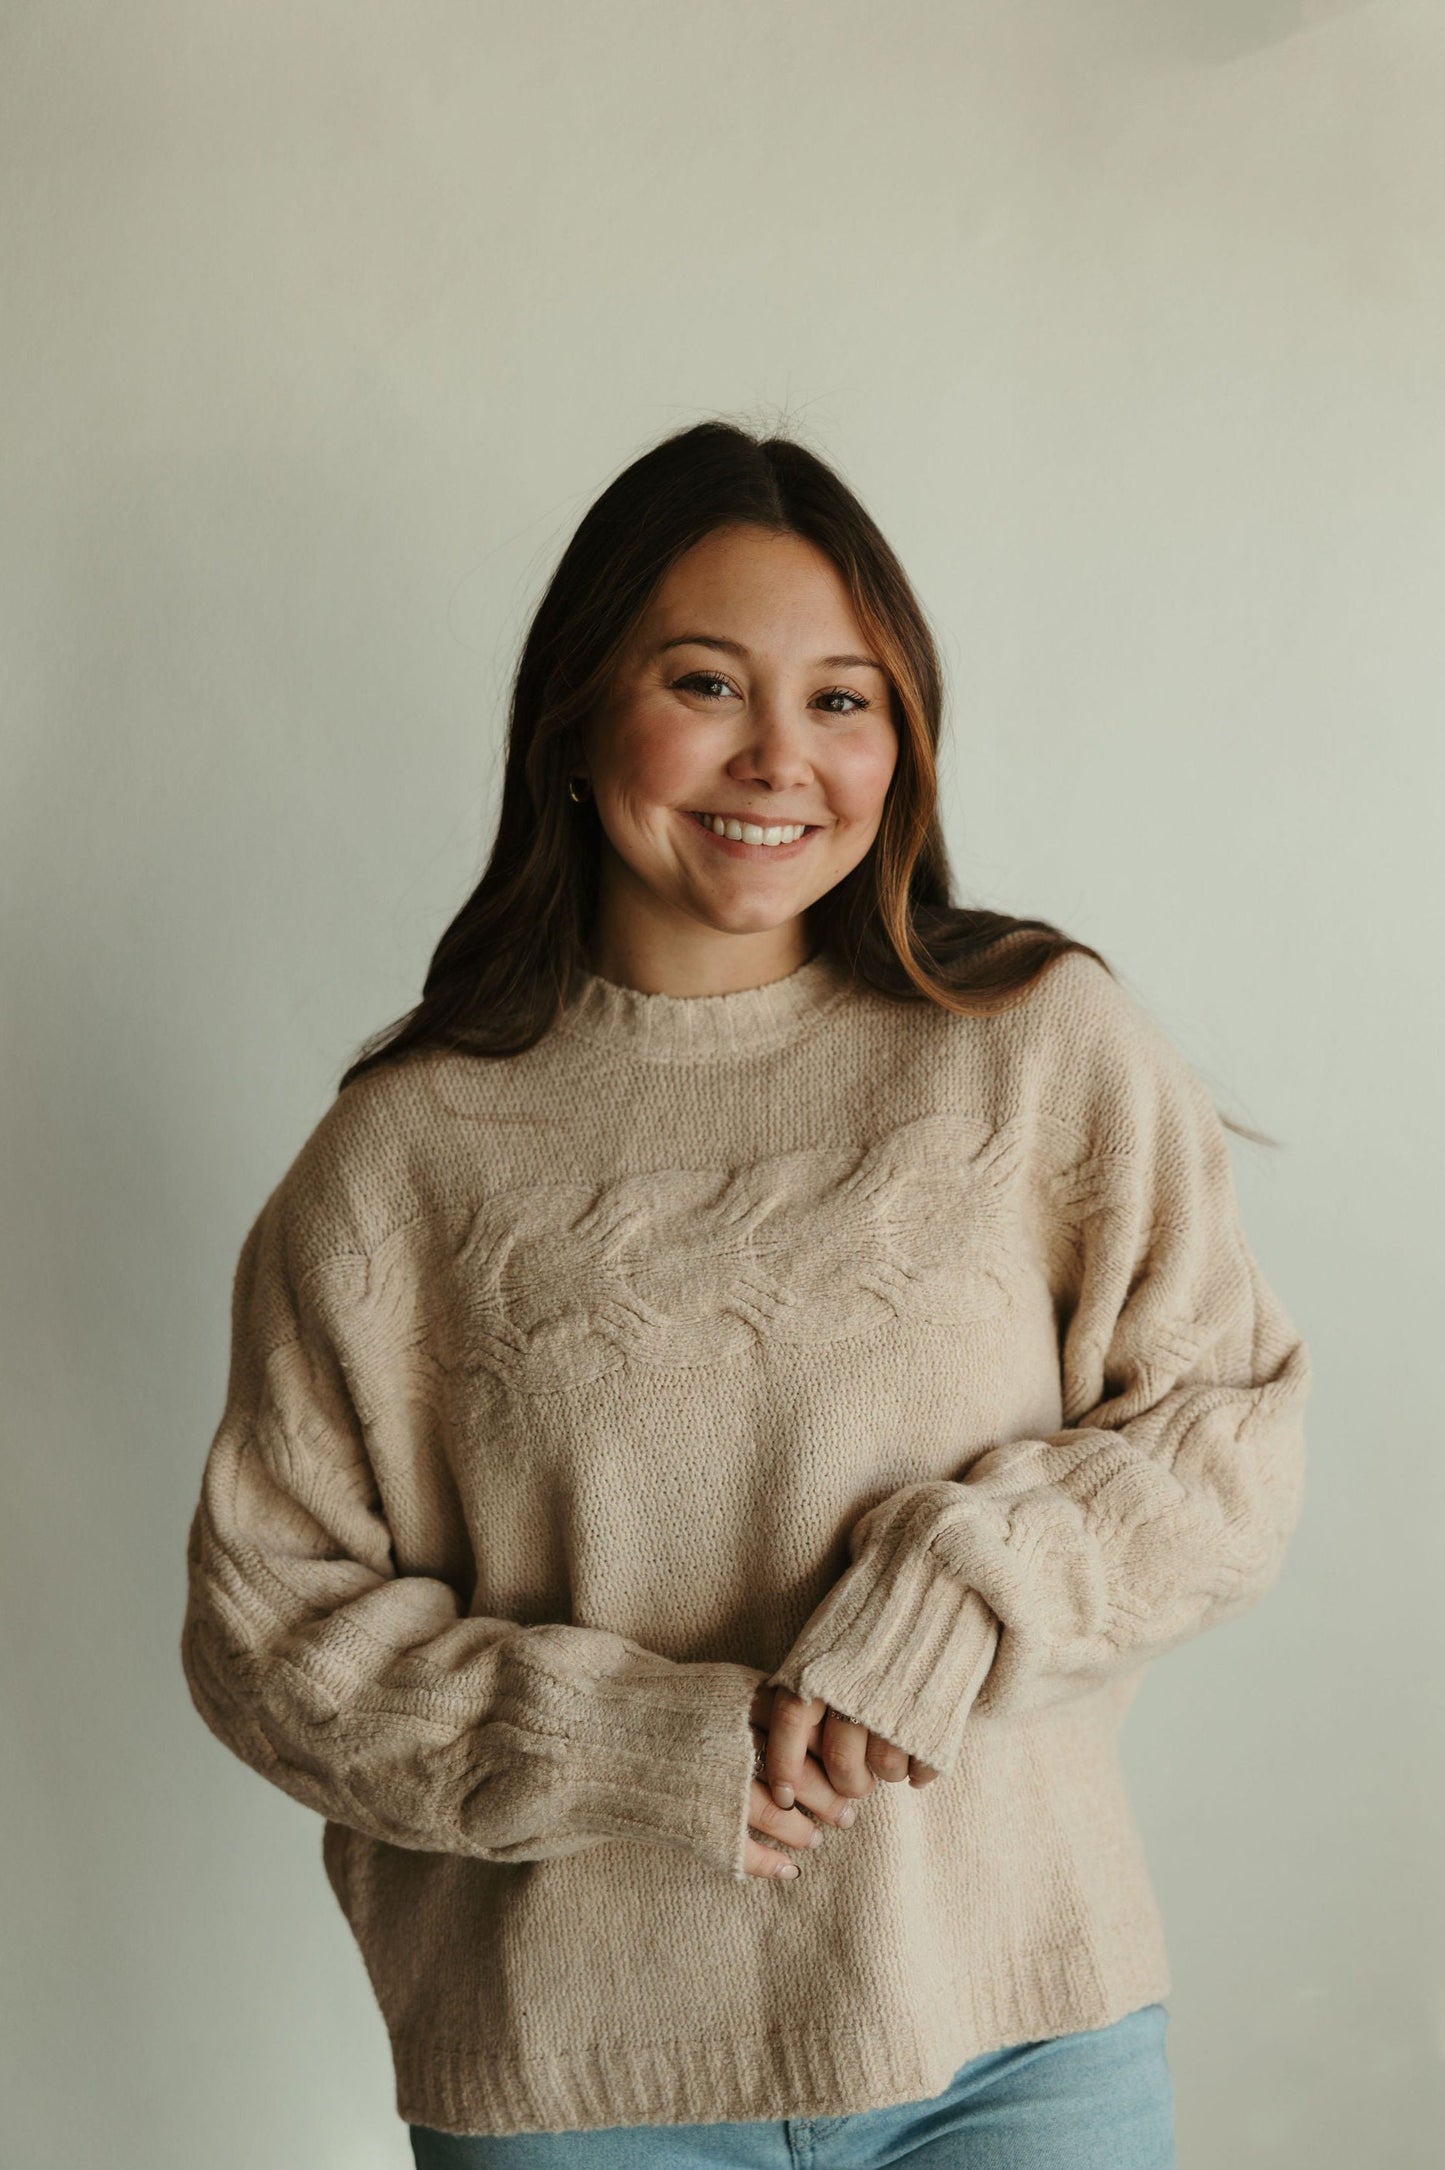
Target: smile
[{"x": 746, "y": 838}]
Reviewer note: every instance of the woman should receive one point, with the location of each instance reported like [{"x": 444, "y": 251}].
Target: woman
[{"x": 758, "y": 1361}]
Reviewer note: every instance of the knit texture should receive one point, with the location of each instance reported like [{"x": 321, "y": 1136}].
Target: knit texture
[{"x": 917, "y": 1362}]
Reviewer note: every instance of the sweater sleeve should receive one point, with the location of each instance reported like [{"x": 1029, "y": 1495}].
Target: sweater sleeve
[
  {"x": 1052, "y": 1565},
  {"x": 371, "y": 1695}
]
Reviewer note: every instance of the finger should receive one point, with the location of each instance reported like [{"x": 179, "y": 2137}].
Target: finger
[
  {"x": 766, "y": 1861},
  {"x": 845, "y": 1754},
  {"x": 821, "y": 1798},
  {"x": 789, "y": 1825},
  {"x": 920, "y": 1774},
  {"x": 792, "y": 1727},
  {"x": 886, "y": 1760}
]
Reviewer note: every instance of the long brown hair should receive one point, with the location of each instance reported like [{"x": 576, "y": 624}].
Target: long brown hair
[{"x": 511, "y": 958}]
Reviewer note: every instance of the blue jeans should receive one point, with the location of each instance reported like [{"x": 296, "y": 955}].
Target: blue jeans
[{"x": 1099, "y": 2100}]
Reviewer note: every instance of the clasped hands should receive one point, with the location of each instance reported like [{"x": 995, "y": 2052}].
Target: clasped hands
[{"x": 814, "y": 1760}]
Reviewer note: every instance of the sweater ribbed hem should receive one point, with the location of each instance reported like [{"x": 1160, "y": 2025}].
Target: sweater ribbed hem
[
  {"x": 898, "y": 1645},
  {"x": 790, "y": 2071}
]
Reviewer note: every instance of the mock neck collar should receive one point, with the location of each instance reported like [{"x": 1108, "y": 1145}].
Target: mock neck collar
[{"x": 702, "y": 1028}]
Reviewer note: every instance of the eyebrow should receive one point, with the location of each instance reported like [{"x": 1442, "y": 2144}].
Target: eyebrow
[{"x": 736, "y": 648}]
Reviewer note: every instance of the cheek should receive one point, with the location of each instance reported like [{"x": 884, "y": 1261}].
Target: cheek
[
  {"x": 655, "y": 766},
  {"x": 858, "y": 781}
]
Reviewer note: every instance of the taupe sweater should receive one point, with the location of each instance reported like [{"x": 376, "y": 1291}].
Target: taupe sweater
[{"x": 914, "y": 1361}]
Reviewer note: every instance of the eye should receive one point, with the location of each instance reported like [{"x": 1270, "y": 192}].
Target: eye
[
  {"x": 841, "y": 693},
  {"x": 699, "y": 679}
]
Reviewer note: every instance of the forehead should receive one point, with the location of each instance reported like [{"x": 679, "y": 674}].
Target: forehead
[{"x": 754, "y": 586}]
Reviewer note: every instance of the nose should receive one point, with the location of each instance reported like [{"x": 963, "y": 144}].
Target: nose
[{"x": 775, "y": 750}]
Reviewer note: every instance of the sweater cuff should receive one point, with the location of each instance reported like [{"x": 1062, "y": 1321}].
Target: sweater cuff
[
  {"x": 691, "y": 1785},
  {"x": 898, "y": 1645}
]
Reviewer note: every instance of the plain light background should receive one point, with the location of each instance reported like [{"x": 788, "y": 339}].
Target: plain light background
[{"x": 322, "y": 327}]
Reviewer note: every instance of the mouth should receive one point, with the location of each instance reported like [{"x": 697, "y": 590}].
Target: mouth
[{"x": 750, "y": 844}]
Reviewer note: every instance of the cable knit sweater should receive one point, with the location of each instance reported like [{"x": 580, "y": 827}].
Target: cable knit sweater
[{"x": 914, "y": 1361}]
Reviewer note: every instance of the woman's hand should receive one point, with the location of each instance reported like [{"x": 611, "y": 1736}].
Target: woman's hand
[
  {"x": 813, "y": 1791},
  {"x": 850, "y": 1756}
]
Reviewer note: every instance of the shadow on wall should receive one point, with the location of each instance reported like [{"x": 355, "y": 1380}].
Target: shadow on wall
[{"x": 1210, "y": 31}]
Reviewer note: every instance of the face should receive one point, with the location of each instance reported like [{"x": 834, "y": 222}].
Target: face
[{"x": 749, "y": 692}]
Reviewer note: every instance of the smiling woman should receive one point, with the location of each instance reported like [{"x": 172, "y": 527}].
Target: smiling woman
[{"x": 747, "y": 1373}]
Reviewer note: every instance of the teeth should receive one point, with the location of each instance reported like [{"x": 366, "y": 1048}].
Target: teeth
[{"x": 749, "y": 832}]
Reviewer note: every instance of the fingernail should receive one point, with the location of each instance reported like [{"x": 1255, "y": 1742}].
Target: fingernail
[
  {"x": 815, "y": 1836},
  {"x": 783, "y": 1795},
  {"x": 790, "y": 1869},
  {"x": 846, "y": 1815}
]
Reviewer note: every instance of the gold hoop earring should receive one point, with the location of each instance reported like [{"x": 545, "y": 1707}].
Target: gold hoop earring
[{"x": 579, "y": 798}]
